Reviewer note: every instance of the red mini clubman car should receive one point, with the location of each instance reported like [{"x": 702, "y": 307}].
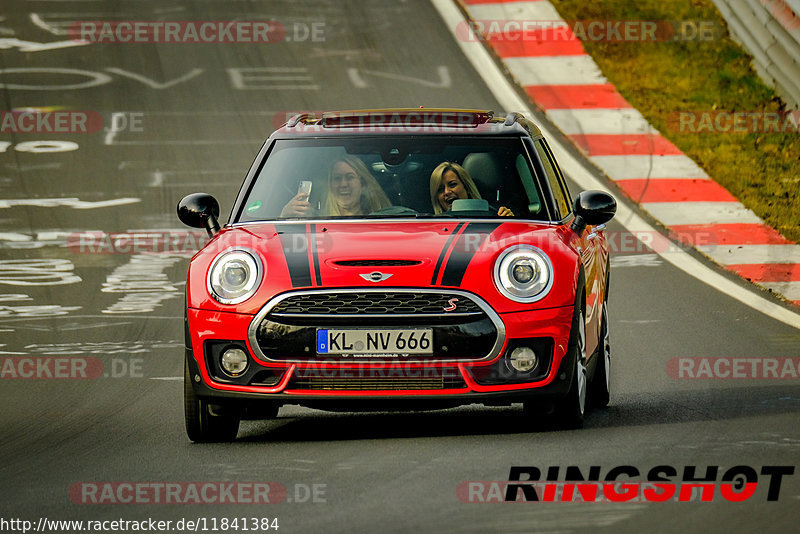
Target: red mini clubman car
[{"x": 398, "y": 259}]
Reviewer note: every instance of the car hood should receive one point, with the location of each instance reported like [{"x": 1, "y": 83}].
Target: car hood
[{"x": 372, "y": 254}]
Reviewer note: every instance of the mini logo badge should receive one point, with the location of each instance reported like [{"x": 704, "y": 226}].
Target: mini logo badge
[
  {"x": 452, "y": 305},
  {"x": 375, "y": 276}
]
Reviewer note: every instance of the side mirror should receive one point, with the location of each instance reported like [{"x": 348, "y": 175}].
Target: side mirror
[
  {"x": 200, "y": 210},
  {"x": 592, "y": 207}
]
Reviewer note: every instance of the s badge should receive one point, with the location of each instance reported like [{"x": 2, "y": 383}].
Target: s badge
[{"x": 452, "y": 305}]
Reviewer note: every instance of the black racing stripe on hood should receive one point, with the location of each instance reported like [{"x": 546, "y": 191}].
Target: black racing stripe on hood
[
  {"x": 464, "y": 250},
  {"x": 443, "y": 253},
  {"x": 312, "y": 236},
  {"x": 294, "y": 242}
]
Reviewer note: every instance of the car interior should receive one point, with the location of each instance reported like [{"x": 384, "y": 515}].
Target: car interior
[{"x": 501, "y": 174}]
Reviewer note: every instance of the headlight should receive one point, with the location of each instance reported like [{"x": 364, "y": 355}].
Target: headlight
[
  {"x": 523, "y": 273},
  {"x": 234, "y": 276}
]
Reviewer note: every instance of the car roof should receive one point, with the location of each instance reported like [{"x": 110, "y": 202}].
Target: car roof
[{"x": 407, "y": 121}]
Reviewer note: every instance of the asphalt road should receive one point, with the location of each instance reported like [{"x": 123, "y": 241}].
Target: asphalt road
[{"x": 190, "y": 117}]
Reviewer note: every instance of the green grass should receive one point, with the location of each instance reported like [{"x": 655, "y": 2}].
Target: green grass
[{"x": 660, "y": 78}]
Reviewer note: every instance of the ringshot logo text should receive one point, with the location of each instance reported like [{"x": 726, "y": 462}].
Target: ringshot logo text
[{"x": 626, "y": 483}]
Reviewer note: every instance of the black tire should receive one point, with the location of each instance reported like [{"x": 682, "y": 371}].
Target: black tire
[
  {"x": 202, "y": 425},
  {"x": 570, "y": 410},
  {"x": 601, "y": 383}
]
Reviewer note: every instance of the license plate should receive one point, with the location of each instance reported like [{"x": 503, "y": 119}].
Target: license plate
[{"x": 372, "y": 341}]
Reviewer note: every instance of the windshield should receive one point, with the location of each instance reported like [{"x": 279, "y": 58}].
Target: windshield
[{"x": 395, "y": 176}]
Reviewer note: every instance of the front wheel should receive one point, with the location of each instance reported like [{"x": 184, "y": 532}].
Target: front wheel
[
  {"x": 601, "y": 384},
  {"x": 202, "y": 424},
  {"x": 570, "y": 410}
]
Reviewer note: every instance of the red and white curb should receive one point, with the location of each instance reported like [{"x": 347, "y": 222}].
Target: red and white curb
[{"x": 564, "y": 81}]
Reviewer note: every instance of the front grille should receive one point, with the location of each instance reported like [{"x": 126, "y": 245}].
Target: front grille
[
  {"x": 463, "y": 327},
  {"x": 371, "y": 380},
  {"x": 375, "y": 303},
  {"x": 377, "y": 263}
]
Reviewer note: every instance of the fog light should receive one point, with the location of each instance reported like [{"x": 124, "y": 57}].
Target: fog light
[
  {"x": 234, "y": 361},
  {"x": 523, "y": 359}
]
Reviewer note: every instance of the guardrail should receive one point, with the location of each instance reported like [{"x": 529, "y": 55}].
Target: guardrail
[{"x": 770, "y": 31}]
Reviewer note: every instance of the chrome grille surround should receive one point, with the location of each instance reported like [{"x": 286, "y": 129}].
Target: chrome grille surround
[{"x": 480, "y": 308}]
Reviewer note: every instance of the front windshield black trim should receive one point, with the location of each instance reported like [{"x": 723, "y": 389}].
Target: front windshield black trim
[
  {"x": 362, "y": 220},
  {"x": 250, "y": 180}
]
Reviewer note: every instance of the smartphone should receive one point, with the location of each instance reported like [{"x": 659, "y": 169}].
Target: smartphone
[{"x": 304, "y": 189}]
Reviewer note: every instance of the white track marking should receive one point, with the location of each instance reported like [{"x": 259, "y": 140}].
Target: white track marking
[
  {"x": 649, "y": 166},
  {"x": 751, "y": 254},
  {"x": 521, "y": 11},
  {"x": 71, "y": 202},
  {"x": 561, "y": 70},
  {"x": 32, "y": 46},
  {"x": 635, "y": 260},
  {"x": 577, "y": 170},
  {"x": 677, "y": 213},
  {"x": 600, "y": 121},
  {"x": 790, "y": 290}
]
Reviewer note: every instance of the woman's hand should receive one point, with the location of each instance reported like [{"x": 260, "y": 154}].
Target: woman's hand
[
  {"x": 505, "y": 212},
  {"x": 299, "y": 206}
]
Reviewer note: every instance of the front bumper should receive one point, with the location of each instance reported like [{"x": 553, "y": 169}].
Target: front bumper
[{"x": 408, "y": 383}]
